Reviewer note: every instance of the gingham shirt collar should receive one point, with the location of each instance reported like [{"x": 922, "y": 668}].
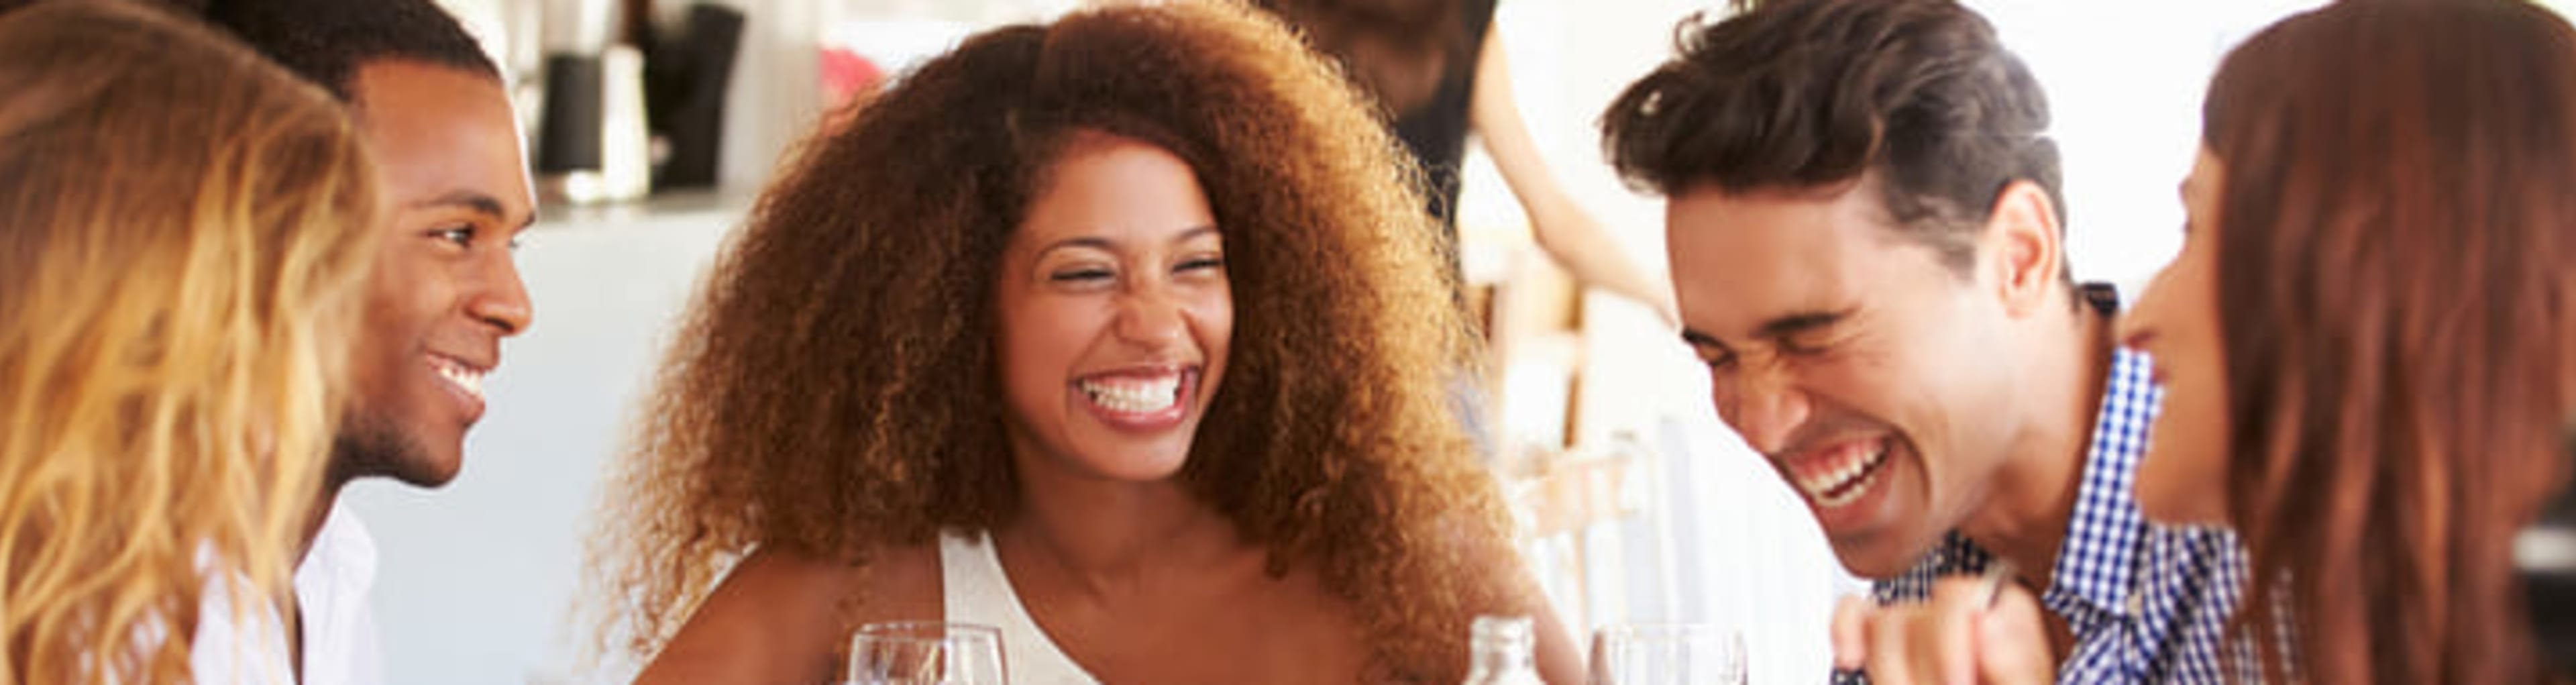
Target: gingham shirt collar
[{"x": 2097, "y": 558}]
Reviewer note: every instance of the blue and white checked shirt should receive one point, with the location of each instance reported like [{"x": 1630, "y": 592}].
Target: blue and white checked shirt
[{"x": 2147, "y": 603}]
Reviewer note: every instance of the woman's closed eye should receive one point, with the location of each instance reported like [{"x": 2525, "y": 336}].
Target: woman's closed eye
[
  {"x": 1082, "y": 275},
  {"x": 1200, "y": 263}
]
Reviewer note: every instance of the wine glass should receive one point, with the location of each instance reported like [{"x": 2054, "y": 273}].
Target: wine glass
[
  {"x": 1667, "y": 654},
  {"x": 925, "y": 653}
]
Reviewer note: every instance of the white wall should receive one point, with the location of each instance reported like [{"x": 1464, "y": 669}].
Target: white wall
[{"x": 2124, "y": 82}]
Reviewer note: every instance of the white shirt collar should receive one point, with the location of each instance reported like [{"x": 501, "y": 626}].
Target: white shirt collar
[{"x": 331, "y": 586}]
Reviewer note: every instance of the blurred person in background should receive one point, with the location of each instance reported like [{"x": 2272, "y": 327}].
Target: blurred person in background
[
  {"x": 445, "y": 289},
  {"x": 1122, "y": 334},
  {"x": 1435, "y": 70},
  {"x": 184, "y": 238},
  {"x": 1867, "y": 240},
  {"x": 2369, "y": 338}
]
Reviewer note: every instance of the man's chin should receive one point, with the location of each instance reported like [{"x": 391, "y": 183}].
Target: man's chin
[
  {"x": 375, "y": 449},
  {"x": 424, "y": 474},
  {"x": 1871, "y": 556}
]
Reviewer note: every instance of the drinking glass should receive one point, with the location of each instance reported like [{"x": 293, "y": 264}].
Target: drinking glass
[
  {"x": 1667, "y": 654},
  {"x": 925, "y": 653}
]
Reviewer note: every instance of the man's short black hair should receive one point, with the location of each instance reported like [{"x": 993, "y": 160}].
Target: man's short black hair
[
  {"x": 326, "y": 41},
  {"x": 1803, "y": 93}
]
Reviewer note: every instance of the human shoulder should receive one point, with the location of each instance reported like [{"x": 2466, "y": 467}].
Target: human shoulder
[
  {"x": 781, "y": 615},
  {"x": 903, "y": 584}
]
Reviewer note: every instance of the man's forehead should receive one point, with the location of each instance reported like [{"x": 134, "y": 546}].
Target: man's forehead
[
  {"x": 443, "y": 137},
  {"x": 1762, "y": 244},
  {"x": 1755, "y": 264}
]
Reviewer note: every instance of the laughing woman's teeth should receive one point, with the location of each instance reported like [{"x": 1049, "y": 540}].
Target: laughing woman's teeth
[{"x": 1133, "y": 397}]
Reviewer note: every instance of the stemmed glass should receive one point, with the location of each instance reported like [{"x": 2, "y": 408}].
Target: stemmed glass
[
  {"x": 1667, "y": 654},
  {"x": 925, "y": 653}
]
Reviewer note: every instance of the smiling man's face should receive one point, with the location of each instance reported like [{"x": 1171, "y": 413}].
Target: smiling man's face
[
  {"x": 1851, "y": 356},
  {"x": 446, "y": 289}
]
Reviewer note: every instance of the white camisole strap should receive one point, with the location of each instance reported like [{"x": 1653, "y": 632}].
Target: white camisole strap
[{"x": 976, "y": 590}]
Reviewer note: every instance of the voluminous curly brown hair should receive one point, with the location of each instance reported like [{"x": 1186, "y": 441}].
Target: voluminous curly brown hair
[{"x": 834, "y": 390}]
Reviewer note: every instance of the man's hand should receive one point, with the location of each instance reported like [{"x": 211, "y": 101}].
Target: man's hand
[{"x": 1974, "y": 630}]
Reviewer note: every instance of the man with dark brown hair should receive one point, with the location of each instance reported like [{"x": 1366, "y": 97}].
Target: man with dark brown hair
[{"x": 1866, "y": 237}]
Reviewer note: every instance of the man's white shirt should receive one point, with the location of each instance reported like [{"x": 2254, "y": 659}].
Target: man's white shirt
[{"x": 340, "y": 642}]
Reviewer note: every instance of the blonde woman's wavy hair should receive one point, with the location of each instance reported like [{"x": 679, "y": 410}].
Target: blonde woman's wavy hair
[{"x": 183, "y": 228}]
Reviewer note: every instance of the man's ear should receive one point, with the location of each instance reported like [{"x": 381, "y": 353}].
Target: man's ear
[{"x": 2027, "y": 246}]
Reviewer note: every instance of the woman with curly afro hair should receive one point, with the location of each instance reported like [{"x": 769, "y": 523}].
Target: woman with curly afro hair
[{"x": 1094, "y": 331}]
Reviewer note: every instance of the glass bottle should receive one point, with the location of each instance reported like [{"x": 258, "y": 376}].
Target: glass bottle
[{"x": 1505, "y": 652}]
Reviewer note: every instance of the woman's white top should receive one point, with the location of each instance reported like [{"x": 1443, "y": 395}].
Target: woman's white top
[{"x": 975, "y": 590}]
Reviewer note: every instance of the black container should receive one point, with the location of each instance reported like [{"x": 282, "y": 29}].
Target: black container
[
  {"x": 568, "y": 135},
  {"x": 684, "y": 90}
]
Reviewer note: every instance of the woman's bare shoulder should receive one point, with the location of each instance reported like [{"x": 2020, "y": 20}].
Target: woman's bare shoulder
[
  {"x": 904, "y": 585},
  {"x": 781, "y": 616}
]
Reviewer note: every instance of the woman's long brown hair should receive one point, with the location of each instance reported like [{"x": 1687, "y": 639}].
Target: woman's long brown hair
[
  {"x": 2395, "y": 226},
  {"x": 834, "y": 390}
]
